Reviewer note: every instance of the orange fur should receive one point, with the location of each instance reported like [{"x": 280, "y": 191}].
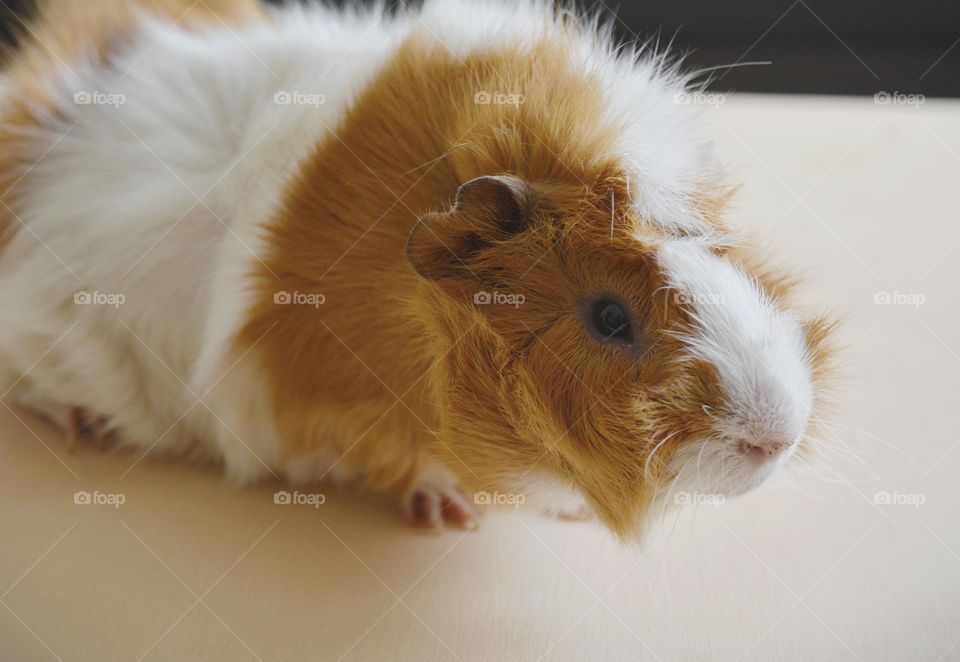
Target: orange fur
[
  {"x": 491, "y": 391},
  {"x": 397, "y": 371}
]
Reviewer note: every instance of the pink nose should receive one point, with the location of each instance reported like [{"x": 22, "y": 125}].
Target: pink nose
[{"x": 763, "y": 448}]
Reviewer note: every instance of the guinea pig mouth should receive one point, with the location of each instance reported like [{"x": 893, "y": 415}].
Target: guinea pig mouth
[
  {"x": 754, "y": 460},
  {"x": 730, "y": 466},
  {"x": 749, "y": 480}
]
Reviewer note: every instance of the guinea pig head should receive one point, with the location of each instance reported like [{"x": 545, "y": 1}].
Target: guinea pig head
[{"x": 591, "y": 347}]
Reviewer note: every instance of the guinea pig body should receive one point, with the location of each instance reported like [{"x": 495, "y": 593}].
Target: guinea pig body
[{"x": 471, "y": 250}]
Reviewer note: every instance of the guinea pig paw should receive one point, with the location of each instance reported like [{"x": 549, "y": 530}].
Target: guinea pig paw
[
  {"x": 575, "y": 512},
  {"x": 77, "y": 423},
  {"x": 434, "y": 504}
]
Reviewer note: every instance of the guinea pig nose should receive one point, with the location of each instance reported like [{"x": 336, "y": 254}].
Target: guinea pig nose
[{"x": 763, "y": 448}]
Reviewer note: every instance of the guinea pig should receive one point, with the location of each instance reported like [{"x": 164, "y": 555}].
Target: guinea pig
[{"x": 474, "y": 249}]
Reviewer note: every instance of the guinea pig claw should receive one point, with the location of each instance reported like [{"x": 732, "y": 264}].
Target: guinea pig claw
[
  {"x": 580, "y": 513},
  {"x": 458, "y": 512},
  {"x": 82, "y": 425},
  {"x": 435, "y": 506},
  {"x": 73, "y": 426},
  {"x": 76, "y": 423}
]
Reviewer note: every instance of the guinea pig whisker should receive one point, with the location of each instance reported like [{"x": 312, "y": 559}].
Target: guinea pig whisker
[
  {"x": 666, "y": 302},
  {"x": 807, "y": 468},
  {"x": 696, "y": 73},
  {"x": 839, "y": 444},
  {"x": 663, "y": 513},
  {"x": 646, "y": 465},
  {"x": 703, "y": 447},
  {"x": 708, "y": 410},
  {"x": 725, "y": 473},
  {"x": 878, "y": 439},
  {"x": 898, "y": 405},
  {"x": 683, "y": 336},
  {"x": 795, "y": 488},
  {"x": 821, "y": 461},
  {"x": 666, "y": 502},
  {"x": 613, "y": 212},
  {"x": 821, "y": 452},
  {"x": 453, "y": 148},
  {"x": 662, "y": 287},
  {"x": 666, "y": 290},
  {"x": 819, "y": 445}
]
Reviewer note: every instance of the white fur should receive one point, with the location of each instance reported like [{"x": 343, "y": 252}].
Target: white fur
[
  {"x": 759, "y": 354},
  {"x": 112, "y": 207}
]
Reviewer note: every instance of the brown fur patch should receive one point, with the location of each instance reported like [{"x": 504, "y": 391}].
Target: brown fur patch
[
  {"x": 492, "y": 391},
  {"x": 396, "y": 370}
]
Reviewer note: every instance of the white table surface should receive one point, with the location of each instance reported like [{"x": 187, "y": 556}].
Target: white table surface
[{"x": 862, "y": 197}]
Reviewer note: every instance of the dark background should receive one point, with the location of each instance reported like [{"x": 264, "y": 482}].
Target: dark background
[{"x": 813, "y": 46}]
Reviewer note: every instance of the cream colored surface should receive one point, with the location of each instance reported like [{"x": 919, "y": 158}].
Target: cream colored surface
[{"x": 863, "y": 197}]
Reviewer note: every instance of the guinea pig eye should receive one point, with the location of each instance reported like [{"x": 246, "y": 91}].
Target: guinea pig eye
[{"x": 610, "y": 321}]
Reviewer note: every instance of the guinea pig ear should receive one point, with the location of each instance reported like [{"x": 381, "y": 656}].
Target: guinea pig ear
[
  {"x": 485, "y": 209},
  {"x": 502, "y": 199}
]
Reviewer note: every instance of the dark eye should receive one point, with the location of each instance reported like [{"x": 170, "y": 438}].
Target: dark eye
[{"x": 611, "y": 322}]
